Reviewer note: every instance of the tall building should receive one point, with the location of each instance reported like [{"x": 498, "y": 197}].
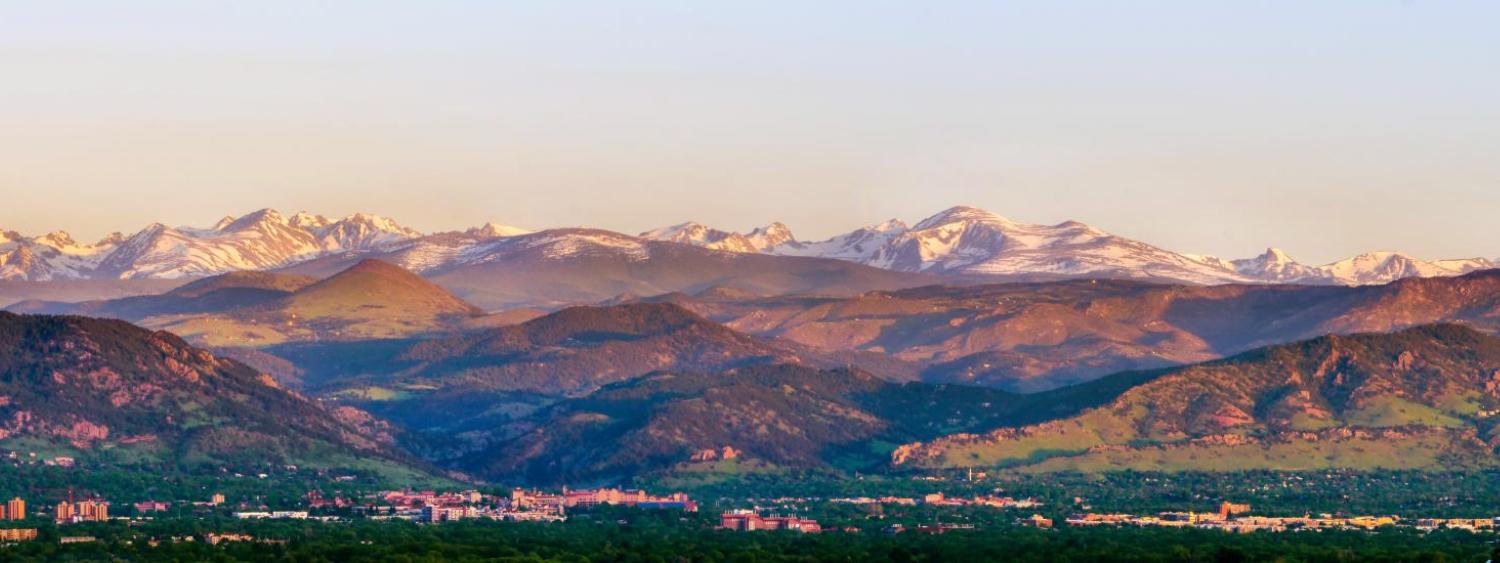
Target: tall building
[
  {"x": 15, "y": 509},
  {"x": 65, "y": 512}
]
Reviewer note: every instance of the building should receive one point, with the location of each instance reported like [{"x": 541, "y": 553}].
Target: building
[
  {"x": 216, "y": 500},
  {"x": 279, "y": 515},
  {"x": 152, "y": 506},
  {"x": 15, "y": 509},
  {"x": 522, "y": 499},
  {"x": 749, "y": 521},
  {"x": 1228, "y": 509},
  {"x": 940, "y": 529},
  {"x": 1037, "y": 521},
  {"x": 64, "y": 512},
  {"x": 637, "y": 498},
  {"x": 17, "y": 534},
  {"x": 435, "y": 514}
]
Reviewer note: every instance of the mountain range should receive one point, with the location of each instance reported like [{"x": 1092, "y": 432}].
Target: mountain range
[
  {"x": 959, "y": 243},
  {"x": 589, "y": 354},
  {"x": 649, "y": 386},
  {"x": 1018, "y": 336},
  {"x": 967, "y": 240}
]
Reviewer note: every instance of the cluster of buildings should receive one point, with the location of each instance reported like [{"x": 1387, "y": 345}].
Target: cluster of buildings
[
  {"x": 750, "y": 521},
  {"x": 30, "y": 458},
  {"x": 521, "y": 505},
  {"x": 273, "y": 515},
  {"x": 939, "y": 499},
  {"x": 1231, "y": 517},
  {"x": 434, "y": 507},
  {"x": 930, "y": 529},
  {"x": 216, "y": 539},
  {"x": 149, "y": 506},
  {"x": 69, "y": 512}
]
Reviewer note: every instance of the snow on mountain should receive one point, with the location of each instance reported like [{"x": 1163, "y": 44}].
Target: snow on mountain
[
  {"x": 969, "y": 240},
  {"x": 255, "y": 241},
  {"x": 446, "y": 251},
  {"x": 859, "y": 245},
  {"x": 961, "y": 240},
  {"x": 495, "y": 230},
  {"x": 53, "y": 256},
  {"x": 361, "y": 231},
  {"x": 770, "y": 236},
  {"x": 759, "y": 240},
  {"x": 308, "y": 221},
  {"x": 972, "y": 241},
  {"x": 1276, "y": 266},
  {"x": 1385, "y": 267}
]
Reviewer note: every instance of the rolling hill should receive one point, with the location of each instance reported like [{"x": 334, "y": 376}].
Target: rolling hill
[
  {"x": 370, "y": 299},
  {"x": 767, "y": 417},
  {"x": 210, "y": 295},
  {"x": 572, "y": 351},
  {"x": 109, "y": 392},
  {"x": 1035, "y": 336},
  {"x": 457, "y": 389},
  {"x": 1420, "y": 398}
]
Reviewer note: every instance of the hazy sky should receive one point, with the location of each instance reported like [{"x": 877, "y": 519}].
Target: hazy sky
[{"x": 1325, "y": 128}]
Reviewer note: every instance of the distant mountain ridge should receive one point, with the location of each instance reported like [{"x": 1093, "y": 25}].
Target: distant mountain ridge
[
  {"x": 369, "y": 299},
  {"x": 959, "y": 241},
  {"x": 260, "y": 240},
  {"x": 968, "y": 240}
]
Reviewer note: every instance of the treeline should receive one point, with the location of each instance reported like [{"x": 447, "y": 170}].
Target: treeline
[{"x": 661, "y": 538}]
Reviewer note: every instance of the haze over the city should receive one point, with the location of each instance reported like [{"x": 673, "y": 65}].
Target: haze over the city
[{"x": 1325, "y": 129}]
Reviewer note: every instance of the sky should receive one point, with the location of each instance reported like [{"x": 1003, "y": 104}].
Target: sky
[{"x": 1324, "y": 128}]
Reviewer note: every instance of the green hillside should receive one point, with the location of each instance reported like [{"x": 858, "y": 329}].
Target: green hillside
[
  {"x": 109, "y": 392},
  {"x": 1419, "y": 398}
]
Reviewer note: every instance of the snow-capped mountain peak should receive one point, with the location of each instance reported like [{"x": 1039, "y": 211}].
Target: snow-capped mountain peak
[
  {"x": 689, "y": 232},
  {"x": 960, "y": 214},
  {"x": 770, "y": 236},
  {"x": 496, "y": 230},
  {"x": 697, "y": 234},
  {"x": 1380, "y": 267},
  {"x": 257, "y": 219},
  {"x": 57, "y": 239},
  {"x": 1274, "y": 265}
]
